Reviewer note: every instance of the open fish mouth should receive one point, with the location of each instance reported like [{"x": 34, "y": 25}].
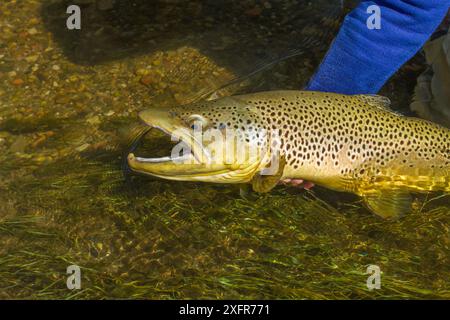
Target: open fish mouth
[
  {"x": 189, "y": 159},
  {"x": 187, "y": 156},
  {"x": 172, "y": 164}
]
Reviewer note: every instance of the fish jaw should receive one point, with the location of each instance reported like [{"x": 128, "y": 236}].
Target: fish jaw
[
  {"x": 187, "y": 169},
  {"x": 167, "y": 122},
  {"x": 196, "y": 163}
]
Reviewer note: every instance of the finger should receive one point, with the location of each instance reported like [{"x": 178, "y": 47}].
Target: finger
[
  {"x": 296, "y": 182},
  {"x": 308, "y": 185}
]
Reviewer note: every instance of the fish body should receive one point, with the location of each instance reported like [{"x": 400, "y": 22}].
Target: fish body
[{"x": 350, "y": 143}]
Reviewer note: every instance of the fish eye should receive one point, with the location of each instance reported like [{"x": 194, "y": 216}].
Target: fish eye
[{"x": 196, "y": 122}]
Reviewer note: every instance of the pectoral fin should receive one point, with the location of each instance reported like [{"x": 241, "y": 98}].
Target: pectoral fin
[
  {"x": 266, "y": 180},
  {"x": 388, "y": 204},
  {"x": 246, "y": 192}
]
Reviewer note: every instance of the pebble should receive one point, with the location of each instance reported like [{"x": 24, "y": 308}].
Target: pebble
[
  {"x": 18, "y": 82},
  {"x": 32, "y": 58},
  {"x": 32, "y": 31},
  {"x": 146, "y": 80},
  {"x": 93, "y": 120},
  {"x": 142, "y": 72}
]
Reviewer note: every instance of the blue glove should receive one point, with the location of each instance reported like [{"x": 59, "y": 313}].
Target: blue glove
[{"x": 361, "y": 60}]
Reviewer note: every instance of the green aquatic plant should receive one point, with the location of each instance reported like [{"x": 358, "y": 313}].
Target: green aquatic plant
[{"x": 64, "y": 199}]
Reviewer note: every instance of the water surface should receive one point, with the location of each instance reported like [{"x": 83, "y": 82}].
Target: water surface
[{"x": 65, "y": 98}]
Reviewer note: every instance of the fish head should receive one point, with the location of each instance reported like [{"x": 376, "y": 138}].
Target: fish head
[{"x": 221, "y": 141}]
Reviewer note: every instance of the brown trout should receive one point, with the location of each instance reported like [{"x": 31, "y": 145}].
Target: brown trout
[{"x": 345, "y": 143}]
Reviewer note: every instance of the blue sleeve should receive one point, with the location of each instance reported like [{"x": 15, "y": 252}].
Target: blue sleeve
[{"x": 361, "y": 60}]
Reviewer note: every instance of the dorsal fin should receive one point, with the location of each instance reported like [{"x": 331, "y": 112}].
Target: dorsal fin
[{"x": 376, "y": 100}]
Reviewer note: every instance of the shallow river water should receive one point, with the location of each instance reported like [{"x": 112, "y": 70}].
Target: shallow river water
[{"x": 67, "y": 96}]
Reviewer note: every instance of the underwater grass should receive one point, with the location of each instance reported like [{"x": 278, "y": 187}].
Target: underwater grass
[
  {"x": 64, "y": 204},
  {"x": 152, "y": 239}
]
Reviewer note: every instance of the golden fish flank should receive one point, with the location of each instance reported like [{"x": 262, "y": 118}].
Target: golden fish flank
[{"x": 345, "y": 143}]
